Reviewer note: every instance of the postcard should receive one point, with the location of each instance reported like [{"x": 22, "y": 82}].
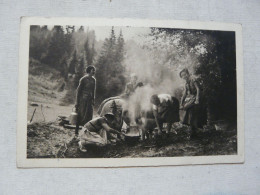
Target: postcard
[{"x": 98, "y": 92}]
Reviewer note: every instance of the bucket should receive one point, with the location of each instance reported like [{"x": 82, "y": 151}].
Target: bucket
[{"x": 73, "y": 117}]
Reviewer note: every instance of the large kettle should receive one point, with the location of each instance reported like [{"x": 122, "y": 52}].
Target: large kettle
[
  {"x": 73, "y": 117},
  {"x": 132, "y": 134}
]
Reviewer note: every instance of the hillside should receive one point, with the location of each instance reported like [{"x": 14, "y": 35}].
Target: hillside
[
  {"x": 46, "y": 88},
  {"x": 44, "y": 83}
]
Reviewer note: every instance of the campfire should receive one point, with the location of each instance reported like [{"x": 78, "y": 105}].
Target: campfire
[{"x": 133, "y": 133}]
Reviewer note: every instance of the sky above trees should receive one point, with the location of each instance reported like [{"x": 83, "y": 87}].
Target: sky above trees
[{"x": 102, "y": 32}]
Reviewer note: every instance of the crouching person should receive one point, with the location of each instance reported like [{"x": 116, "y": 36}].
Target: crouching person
[
  {"x": 97, "y": 131},
  {"x": 165, "y": 110}
]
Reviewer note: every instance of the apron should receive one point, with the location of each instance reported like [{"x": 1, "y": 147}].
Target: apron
[{"x": 92, "y": 138}]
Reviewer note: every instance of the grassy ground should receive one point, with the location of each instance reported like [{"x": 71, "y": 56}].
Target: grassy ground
[{"x": 47, "y": 140}]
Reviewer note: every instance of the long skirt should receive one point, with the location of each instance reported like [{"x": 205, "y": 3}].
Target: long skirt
[
  {"x": 85, "y": 111},
  {"x": 190, "y": 116}
]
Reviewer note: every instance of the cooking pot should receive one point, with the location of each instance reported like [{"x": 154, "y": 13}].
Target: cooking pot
[{"x": 132, "y": 134}]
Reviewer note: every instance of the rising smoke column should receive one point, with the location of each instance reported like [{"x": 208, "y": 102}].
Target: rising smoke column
[{"x": 157, "y": 63}]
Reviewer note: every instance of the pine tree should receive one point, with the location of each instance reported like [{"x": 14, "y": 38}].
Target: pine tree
[
  {"x": 79, "y": 71},
  {"x": 74, "y": 63},
  {"x": 69, "y": 42},
  {"x": 64, "y": 66},
  {"x": 93, "y": 52},
  {"x": 81, "y": 67},
  {"x": 56, "y": 48},
  {"x": 120, "y": 52},
  {"x": 81, "y": 29},
  {"x": 60, "y": 48},
  {"x": 39, "y": 42},
  {"x": 90, "y": 52},
  {"x": 110, "y": 72},
  {"x": 35, "y": 47}
]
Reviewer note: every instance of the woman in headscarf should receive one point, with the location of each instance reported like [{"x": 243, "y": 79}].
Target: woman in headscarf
[
  {"x": 117, "y": 107},
  {"x": 97, "y": 131},
  {"x": 190, "y": 101},
  {"x": 85, "y": 97}
]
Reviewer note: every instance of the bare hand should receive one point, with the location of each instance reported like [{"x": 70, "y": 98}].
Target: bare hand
[{"x": 122, "y": 135}]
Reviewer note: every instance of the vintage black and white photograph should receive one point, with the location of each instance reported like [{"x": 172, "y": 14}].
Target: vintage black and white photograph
[{"x": 120, "y": 91}]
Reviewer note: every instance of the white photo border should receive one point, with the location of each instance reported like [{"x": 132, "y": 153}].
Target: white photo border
[{"x": 24, "y": 162}]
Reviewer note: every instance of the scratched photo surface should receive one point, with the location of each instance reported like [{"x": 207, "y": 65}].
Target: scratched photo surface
[{"x": 117, "y": 92}]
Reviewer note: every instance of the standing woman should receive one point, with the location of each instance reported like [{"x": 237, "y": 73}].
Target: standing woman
[
  {"x": 85, "y": 97},
  {"x": 190, "y": 102}
]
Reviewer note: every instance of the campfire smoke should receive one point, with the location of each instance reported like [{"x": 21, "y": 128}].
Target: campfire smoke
[{"x": 158, "y": 75}]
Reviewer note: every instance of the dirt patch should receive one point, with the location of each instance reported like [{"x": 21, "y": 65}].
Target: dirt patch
[
  {"x": 48, "y": 140},
  {"x": 44, "y": 140}
]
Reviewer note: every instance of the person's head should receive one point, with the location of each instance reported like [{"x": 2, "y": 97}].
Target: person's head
[
  {"x": 184, "y": 74},
  {"x": 133, "y": 78},
  {"x": 155, "y": 100},
  {"x": 91, "y": 70},
  {"x": 110, "y": 117}
]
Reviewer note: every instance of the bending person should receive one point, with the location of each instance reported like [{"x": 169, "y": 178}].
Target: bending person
[
  {"x": 165, "y": 110},
  {"x": 97, "y": 131}
]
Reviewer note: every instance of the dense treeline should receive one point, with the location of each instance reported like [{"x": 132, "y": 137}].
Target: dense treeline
[
  {"x": 110, "y": 70},
  {"x": 211, "y": 57}
]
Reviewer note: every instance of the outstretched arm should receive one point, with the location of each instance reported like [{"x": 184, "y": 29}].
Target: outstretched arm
[
  {"x": 155, "y": 114},
  {"x": 110, "y": 130}
]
